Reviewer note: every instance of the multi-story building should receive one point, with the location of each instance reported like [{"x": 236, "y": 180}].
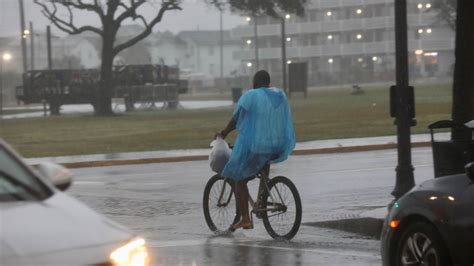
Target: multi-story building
[{"x": 351, "y": 41}]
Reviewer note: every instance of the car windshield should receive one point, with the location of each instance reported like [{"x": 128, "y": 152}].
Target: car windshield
[{"x": 16, "y": 182}]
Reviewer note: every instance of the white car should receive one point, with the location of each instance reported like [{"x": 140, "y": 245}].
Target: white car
[{"x": 40, "y": 225}]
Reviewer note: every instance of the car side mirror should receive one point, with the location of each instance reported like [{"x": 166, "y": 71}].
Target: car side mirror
[
  {"x": 470, "y": 170},
  {"x": 59, "y": 175}
]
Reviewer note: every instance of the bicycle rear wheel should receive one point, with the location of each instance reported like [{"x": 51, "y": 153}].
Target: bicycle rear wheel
[
  {"x": 282, "y": 219},
  {"x": 220, "y": 215}
]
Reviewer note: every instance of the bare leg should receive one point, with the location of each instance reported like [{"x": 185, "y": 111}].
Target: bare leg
[{"x": 242, "y": 195}]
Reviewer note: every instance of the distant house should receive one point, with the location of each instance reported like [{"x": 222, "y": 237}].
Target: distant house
[
  {"x": 82, "y": 49},
  {"x": 137, "y": 54},
  {"x": 166, "y": 48},
  {"x": 203, "y": 52}
]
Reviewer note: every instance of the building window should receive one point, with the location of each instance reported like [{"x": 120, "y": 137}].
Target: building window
[{"x": 211, "y": 50}]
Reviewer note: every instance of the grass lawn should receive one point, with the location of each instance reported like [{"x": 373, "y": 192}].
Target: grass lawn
[{"x": 327, "y": 114}]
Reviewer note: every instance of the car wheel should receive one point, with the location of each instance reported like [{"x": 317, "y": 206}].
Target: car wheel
[{"x": 420, "y": 244}]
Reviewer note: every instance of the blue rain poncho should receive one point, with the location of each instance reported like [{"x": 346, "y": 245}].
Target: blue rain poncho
[{"x": 266, "y": 133}]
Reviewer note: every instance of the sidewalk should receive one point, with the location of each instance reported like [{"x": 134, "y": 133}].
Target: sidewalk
[{"x": 302, "y": 148}]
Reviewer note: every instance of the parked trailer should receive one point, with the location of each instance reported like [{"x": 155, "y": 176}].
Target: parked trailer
[{"x": 134, "y": 83}]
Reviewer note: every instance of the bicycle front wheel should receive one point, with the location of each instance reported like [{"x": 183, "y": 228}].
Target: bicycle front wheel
[
  {"x": 282, "y": 218},
  {"x": 219, "y": 205}
]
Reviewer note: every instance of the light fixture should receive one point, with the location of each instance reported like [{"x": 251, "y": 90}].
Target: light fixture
[
  {"x": 249, "y": 41},
  {"x": 288, "y": 16},
  {"x": 330, "y": 60},
  {"x": 288, "y": 62},
  {"x": 420, "y": 6},
  {"x": 248, "y": 19},
  {"x": 329, "y": 13},
  {"x": 249, "y": 64},
  {"x": 359, "y": 11},
  {"x": 359, "y": 36},
  {"x": 26, "y": 32},
  {"x": 288, "y": 39},
  {"x": 375, "y": 58},
  {"x": 420, "y": 31},
  {"x": 133, "y": 253},
  {"x": 428, "y": 6},
  {"x": 429, "y": 30},
  {"x": 6, "y": 57},
  {"x": 329, "y": 37},
  {"x": 418, "y": 52},
  {"x": 360, "y": 59},
  {"x": 394, "y": 224},
  {"x": 431, "y": 54}
]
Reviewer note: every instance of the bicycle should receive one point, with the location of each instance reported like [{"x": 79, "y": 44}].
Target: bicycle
[{"x": 277, "y": 199}]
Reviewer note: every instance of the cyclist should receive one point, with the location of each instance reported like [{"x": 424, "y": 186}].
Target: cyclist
[{"x": 266, "y": 135}]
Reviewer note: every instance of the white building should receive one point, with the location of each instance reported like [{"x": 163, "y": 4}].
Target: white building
[
  {"x": 166, "y": 48},
  {"x": 352, "y": 41},
  {"x": 203, "y": 53}
]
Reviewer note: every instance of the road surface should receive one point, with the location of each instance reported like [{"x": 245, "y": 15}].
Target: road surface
[{"x": 163, "y": 202}]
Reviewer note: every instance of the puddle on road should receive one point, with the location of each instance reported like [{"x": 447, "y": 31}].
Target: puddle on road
[{"x": 368, "y": 227}]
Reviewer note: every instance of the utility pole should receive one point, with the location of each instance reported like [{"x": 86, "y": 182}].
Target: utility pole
[
  {"x": 283, "y": 53},
  {"x": 48, "y": 39},
  {"x": 23, "y": 36},
  {"x": 32, "y": 47},
  {"x": 405, "y": 178},
  {"x": 255, "y": 32}
]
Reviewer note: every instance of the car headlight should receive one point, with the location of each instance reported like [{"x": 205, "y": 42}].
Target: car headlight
[{"x": 133, "y": 253}]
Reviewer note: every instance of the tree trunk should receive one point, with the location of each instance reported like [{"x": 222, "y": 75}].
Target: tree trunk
[
  {"x": 104, "y": 95},
  {"x": 463, "y": 84}
]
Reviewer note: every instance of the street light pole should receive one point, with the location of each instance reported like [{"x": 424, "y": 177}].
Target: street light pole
[
  {"x": 283, "y": 53},
  {"x": 32, "y": 47},
  {"x": 405, "y": 178},
  {"x": 23, "y": 36},
  {"x": 255, "y": 32}
]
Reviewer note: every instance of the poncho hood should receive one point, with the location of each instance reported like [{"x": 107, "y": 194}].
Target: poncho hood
[{"x": 275, "y": 95}]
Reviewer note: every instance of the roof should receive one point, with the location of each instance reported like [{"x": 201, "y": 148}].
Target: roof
[
  {"x": 207, "y": 37},
  {"x": 166, "y": 37}
]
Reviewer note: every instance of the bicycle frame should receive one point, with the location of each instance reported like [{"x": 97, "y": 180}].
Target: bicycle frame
[{"x": 263, "y": 188}]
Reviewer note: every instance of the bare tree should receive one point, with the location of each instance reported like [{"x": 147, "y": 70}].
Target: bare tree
[
  {"x": 446, "y": 12},
  {"x": 263, "y": 7},
  {"x": 112, "y": 13}
]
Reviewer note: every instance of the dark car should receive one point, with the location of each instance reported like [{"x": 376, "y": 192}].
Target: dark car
[{"x": 433, "y": 224}]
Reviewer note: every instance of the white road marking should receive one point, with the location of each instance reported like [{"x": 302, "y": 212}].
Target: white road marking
[
  {"x": 96, "y": 183},
  {"x": 251, "y": 243}
]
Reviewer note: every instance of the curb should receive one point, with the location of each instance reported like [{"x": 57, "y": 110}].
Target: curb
[{"x": 205, "y": 157}]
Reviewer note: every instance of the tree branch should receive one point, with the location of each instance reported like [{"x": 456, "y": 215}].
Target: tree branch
[
  {"x": 66, "y": 26},
  {"x": 129, "y": 11},
  {"x": 166, "y": 6},
  {"x": 81, "y": 5}
]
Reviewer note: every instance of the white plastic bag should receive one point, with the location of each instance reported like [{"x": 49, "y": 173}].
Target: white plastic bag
[{"x": 220, "y": 155}]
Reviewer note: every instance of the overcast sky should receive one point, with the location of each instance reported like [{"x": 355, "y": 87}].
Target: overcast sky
[{"x": 195, "y": 14}]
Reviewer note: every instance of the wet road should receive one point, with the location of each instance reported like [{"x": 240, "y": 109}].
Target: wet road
[{"x": 163, "y": 202}]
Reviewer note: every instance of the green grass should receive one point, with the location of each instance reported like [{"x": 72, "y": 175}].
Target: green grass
[{"x": 325, "y": 114}]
